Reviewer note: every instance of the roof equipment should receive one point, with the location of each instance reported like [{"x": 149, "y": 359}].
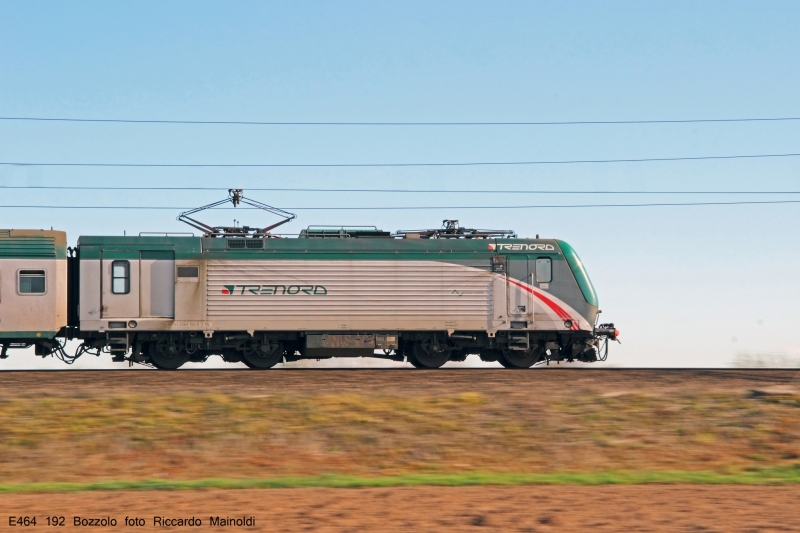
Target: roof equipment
[
  {"x": 451, "y": 230},
  {"x": 236, "y": 197}
]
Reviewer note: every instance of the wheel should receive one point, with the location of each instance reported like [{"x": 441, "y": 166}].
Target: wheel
[
  {"x": 413, "y": 361},
  {"x": 423, "y": 356},
  {"x": 519, "y": 358},
  {"x": 256, "y": 359},
  {"x": 502, "y": 361},
  {"x": 163, "y": 359}
]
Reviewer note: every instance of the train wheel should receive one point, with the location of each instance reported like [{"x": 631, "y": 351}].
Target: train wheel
[
  {"x": 423, "y": 356},
  {"x": 163, "y": 359},
  {"x": 258, "y": 360},
  {"x": 519, "y": 358},
  {"x": 502, "y": 361}
]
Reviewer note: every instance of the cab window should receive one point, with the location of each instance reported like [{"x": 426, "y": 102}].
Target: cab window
[
  {"x": 120, "y": 277},
  {"x": 544, "y": 270},
  {"x": 32, "y": 282}
]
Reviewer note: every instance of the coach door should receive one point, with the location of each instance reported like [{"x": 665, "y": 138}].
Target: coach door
[
  {"x": 520, "y": 297},
  {"x": 120, "y": 284},
  {"x": 157, "y": 288}
]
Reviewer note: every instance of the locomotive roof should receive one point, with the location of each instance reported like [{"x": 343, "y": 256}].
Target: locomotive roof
[{"x": 330, "y": 248}]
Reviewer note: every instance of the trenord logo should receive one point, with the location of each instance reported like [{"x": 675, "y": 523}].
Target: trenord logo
[
  {"x": 523, "y": 247},
  {"x": 273, "y": 290}
]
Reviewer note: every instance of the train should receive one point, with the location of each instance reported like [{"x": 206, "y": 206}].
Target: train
[{"x": 426, "y": 297}]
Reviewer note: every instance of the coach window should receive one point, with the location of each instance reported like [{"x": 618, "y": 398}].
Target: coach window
[
  {"x": 31, "y": 282},
  {"x": 120, "y": 277},
  {"x": 544, "y": 270}
]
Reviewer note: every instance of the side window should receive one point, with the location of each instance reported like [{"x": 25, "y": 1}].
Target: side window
[
  {"x": 544, "y": 270},
  {"x": 189, "y": 272},
  {"x": 32, "y": 282},
  {"x": 120, "y": 277}
]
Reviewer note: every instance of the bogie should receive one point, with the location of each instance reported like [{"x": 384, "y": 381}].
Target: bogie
[
  {"x": 521, "y": 358},
  {"x": 429, "y": 353},
  {"x": 263, "y": 356},
  {"x": 167, "y": 356}
]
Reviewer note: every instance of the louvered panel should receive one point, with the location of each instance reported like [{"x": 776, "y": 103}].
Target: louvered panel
[
  {"x": 27, "y": 247},
  {"x": 279, "y": 289}
]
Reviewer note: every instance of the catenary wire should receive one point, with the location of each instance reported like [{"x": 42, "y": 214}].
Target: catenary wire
[
  {"x": 415, "y": 208},
  {"x": 354, "y": 165},
  {"x": 410, "y": 191},
  {"x": 400, "y": 123}
]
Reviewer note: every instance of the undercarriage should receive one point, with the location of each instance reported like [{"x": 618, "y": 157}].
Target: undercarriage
[{"x": 262, "y": 350}]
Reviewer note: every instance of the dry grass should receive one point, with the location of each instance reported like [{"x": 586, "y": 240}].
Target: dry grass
[{"x": 199, "y": 436}]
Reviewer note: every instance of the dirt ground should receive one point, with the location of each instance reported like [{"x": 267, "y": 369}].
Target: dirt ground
[{"x": 724, "y": 509}]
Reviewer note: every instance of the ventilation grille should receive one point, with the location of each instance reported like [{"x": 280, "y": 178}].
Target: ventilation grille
[
  {"x": 27, "y": 247},
  {"x": 417, "y": 291},
  {"x": 245, "y": 244}
]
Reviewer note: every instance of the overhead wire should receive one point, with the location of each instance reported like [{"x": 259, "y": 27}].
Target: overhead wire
[
  {"x": 425, "y": 191},
  {"x": 374, "y": 165},
  {"x": 408, "y": 191},
  {"x": 415, "y": 208},
  {"x": 398, "y": 123}
]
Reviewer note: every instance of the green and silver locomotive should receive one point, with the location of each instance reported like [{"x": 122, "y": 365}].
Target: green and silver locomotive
[{"x": 426, "y": 297}]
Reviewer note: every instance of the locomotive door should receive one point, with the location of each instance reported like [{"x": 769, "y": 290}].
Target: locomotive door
[
  {"x": 119, "y": 281},
  {"x": 157, "y": 287},
  {"x": 520, "y": 298}
]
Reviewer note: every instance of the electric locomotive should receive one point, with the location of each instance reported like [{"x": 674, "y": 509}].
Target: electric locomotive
[{"x": 422, "y": 296}]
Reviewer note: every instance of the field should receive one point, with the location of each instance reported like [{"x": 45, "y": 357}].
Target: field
[{"x": 530, "y": 439}]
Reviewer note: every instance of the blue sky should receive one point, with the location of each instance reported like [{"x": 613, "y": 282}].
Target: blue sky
[{"x": 688, "y": 286}]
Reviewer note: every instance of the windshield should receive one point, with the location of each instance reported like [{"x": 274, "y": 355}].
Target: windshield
[{"x": 581, "y": 276}]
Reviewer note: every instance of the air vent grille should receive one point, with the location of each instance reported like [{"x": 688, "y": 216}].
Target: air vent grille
[
  {"x": 245, "y": 244},
  {"x": 28, "y": 247}
]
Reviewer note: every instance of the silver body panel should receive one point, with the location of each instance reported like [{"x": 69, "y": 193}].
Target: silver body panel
[
  {"x": 353, "y": 295},
  {"x": 157, "y": 288}
]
